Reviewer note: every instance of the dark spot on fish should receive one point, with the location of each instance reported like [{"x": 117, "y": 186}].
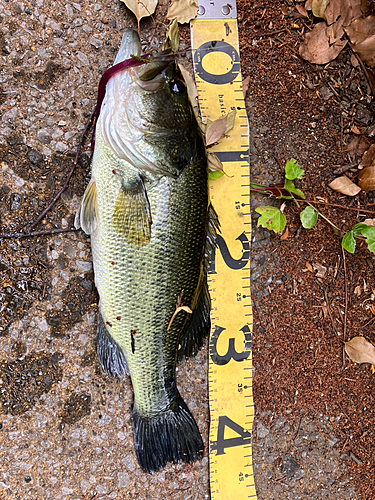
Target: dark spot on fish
[
  {"x": 118, "y": 318},
  {"x": 114, "y": 171},
  {"x": 112, "y": 263},
  {"x": 132, "y": 333},
  {"x": 108, "y": 323}
]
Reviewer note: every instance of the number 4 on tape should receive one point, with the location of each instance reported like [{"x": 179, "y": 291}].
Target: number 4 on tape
[{"x": 222, "y": 443}]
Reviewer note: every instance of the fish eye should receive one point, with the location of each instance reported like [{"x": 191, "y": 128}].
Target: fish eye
[{"x": 177, "y": 87}]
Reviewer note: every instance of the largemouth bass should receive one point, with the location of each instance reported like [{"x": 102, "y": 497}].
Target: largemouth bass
[{"x": 146, "y": 209}]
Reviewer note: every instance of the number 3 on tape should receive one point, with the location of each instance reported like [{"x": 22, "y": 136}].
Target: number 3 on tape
[{"x": 218, "y": 77}]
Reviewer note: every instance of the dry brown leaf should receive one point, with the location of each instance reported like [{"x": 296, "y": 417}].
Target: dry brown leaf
[
  {"x": 182, "y": 10},
  {"x": 230, "y": 120},
  {"x": 345, "y": 186},
  {"x": 355, "y": 130},
  {"x": 321, "y": 270},
  {"x": 141, "y": 8},
  {"x": 360, "y": 350},
  {"x": 213, "y": 163},
  {"x": 344, "y": 10},
  {"x": 368, "y": 158},
  {"x": 362, "y": 35},
  {"x": 193, "y": 96},
  {"x": 309, "y": 267},
  {"x": 285, "y": 234},
  {"x": 335, "y": 31},
  {"x": 354, "y": 61},
  {"x": 358, "y": 145},
  {"x": 358, "y": 291},
  {"x": 284, "y": 10},
  {"x": 361, "y": 29},
  {"x": 245, "y": 85},
  {"x": 172, "y": 38},
  {"x": 216, "y": 130},
  {"x": 366, "y": 179},
  {"x": 302, "y": 10},
  {"x": 369, "y": 222},
  {"x": 319, "y": 7},
  {"x": 316, "y": 47}
]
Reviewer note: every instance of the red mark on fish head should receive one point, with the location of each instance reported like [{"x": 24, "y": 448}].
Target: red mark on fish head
[{"x": 118, "y": 318}]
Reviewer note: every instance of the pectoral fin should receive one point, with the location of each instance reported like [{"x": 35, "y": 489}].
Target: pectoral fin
[
  {"x": 132, "y": 214},
  {"x": 86, "y": 214}
]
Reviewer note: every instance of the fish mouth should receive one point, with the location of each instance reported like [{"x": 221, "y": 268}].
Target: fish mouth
[
  {"x": 160, "y": 62},
  {"x": 151, "y": 76}
]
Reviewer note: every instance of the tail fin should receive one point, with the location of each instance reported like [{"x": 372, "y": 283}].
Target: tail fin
[{"x": 167, "y": 437}]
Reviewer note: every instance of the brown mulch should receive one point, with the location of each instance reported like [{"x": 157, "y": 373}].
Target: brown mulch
[{"x": 301, "y": 325}]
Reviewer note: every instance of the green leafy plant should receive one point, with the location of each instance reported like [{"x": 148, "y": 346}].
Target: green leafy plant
[
  {"x": 368, "y": 233},
  {"x": 272, "y": 218}
]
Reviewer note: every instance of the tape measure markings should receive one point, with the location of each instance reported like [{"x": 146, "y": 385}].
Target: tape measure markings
[{"x": 230, "y": 355}]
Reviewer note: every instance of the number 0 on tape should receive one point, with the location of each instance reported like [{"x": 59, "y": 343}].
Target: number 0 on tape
[{"x": 218, "y": 77}]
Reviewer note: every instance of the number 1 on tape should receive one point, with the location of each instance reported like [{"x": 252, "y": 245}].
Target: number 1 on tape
[{"x": 217, "y": 72}]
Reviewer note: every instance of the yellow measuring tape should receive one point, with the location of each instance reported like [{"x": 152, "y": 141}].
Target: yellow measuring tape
[{"x": 217, "y": 72}]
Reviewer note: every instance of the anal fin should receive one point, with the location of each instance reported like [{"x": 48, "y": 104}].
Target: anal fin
[
  {"x": 132, "y": 214},
  {"x": 109, "y": 352}
]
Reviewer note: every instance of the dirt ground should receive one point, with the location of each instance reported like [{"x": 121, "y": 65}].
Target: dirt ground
[{"x": 65, "y": 427}]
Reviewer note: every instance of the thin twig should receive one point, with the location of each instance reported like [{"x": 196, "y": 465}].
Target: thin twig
[
  {"x": 329, "y": 312},
  {"x": 346, "y": 294},
  {"x": 25, "y": 234},
  {"x": 364, "y": 69},
  {"x": 343, "y": 207},
  {"x": 337, "y": 229},
  {"x": 344, "y": 168},
  {"x": 334, "y": 91},
  {"x": 57, "y": 196}
]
